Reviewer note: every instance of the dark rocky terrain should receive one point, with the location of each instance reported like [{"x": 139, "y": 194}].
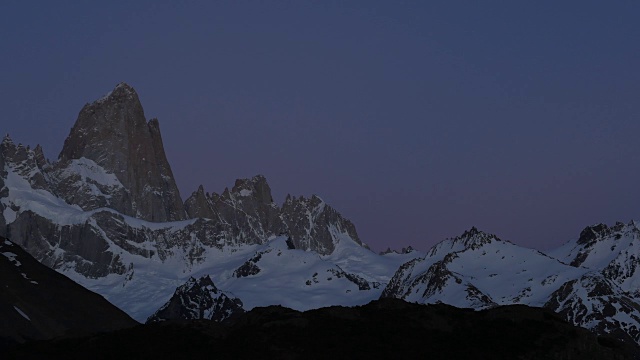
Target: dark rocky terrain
[
  {"x": 199, "y": 299},
  {"x": 39, "y": 303},
  {"x": 387, "y": 328}
]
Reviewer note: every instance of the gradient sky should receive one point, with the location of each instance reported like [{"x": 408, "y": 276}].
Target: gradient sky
[{"x": 416, "y": 120}]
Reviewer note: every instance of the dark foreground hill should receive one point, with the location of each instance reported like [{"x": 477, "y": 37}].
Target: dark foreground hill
[
  {"x": 387, "y": 328},
  {"x": 36, "y": 302}
]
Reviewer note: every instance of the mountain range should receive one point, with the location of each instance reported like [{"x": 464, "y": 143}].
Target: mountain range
[{"x": 108, "y": 214}]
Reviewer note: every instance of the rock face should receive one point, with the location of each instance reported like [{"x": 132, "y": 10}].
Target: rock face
[
  {"x": 248, "y": 213},
  {"x": 69, "y": 308},
  {"x": 28, "y": 164},
  {"x": 595, "y": 302},
  {"x": 113, "y": 133},
  {"x": 312, "y": 224},
  {"x": 199, "y": 299}
]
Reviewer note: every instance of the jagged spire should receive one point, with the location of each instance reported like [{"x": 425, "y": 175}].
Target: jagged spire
[{"x": 114, "y": 133}]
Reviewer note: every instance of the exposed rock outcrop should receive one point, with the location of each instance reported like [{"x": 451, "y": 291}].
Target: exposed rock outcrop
[
  {"x": 197, "y": 205},
  {"x": 199, "y": 299},
  {"x": 113, "y": 133},
  {"x": 594, "y": 302},
  {"x": 248, "y": 213},
  {"x": 313, "y": 224},
  {"x": 27, "y": 163}
]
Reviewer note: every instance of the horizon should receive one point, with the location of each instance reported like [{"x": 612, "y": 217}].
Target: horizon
[{"x": 414, "y": 121}]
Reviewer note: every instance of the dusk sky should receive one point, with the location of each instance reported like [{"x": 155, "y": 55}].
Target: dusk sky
[{"x": 415, "y": 120}]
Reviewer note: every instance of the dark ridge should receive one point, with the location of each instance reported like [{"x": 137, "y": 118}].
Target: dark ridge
[
  {"x": 387, "y": 328},
  {"x": 36, "y": 302}
]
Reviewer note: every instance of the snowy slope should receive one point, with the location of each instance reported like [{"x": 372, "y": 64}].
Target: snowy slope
[
  {"x": 479, "y": 270},
  {"x": 259, "y": 275},
  {"x": 597, "y": 303},
  {"x": 504, "y": 272},
  {"x": 614, "y": 251}
]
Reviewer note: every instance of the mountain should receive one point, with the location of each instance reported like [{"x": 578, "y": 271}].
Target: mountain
[
  {"x": 198, "y": 299},
  {"x": 112, "y": 137},
  {"x": 248, "y": 213},
  {"x": 385, "y": 328},
  {"x": 607, "y": 298},
  {"x": 107, "y": 213},
  {"x": 480, "y": 271},
  {"x": 39, "y": 303}
]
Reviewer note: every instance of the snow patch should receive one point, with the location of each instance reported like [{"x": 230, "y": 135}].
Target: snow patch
[
  {"x": 21, "y": 313},
  {"x": 9, "y": 215},
  {"x": 89, "y": 170},
  {"x": 12, "y": 258}
]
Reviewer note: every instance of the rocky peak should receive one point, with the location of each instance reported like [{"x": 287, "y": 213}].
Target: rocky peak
[
  {"x": 255, "y": 187},
  {"x": 6, "y": 140},
  {"x": 197, "y": 205},
  {"x": 114, "y": 133},
  {"x": 474, "y": 238},
  {"x": 123, "y": 91},
  {"x": 199, "y": 299},
  {"x": 39, "y": 156},
  {"x": 404, "y": 250},
  {"x": 24, "y": 161},
  {"x": 12, "y": 153},
  {"x": 248, "y": 214},
  {"x": 592, "y": 234},
  {"x": 469, "y": 240},
  {"x": 314, "y": 225}
]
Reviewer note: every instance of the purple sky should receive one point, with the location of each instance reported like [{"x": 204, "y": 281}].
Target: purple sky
[{"x": 416, "y": 120}]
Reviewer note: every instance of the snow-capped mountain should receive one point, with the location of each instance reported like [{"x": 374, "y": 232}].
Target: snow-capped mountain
[
  {"x": 108, "y": 214},
  {"x": 479, "y": 270},
  {"x": 607, "y": 299},
  {"x": 614, "y": 251},
  {"x": 199, "y": 299}
]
